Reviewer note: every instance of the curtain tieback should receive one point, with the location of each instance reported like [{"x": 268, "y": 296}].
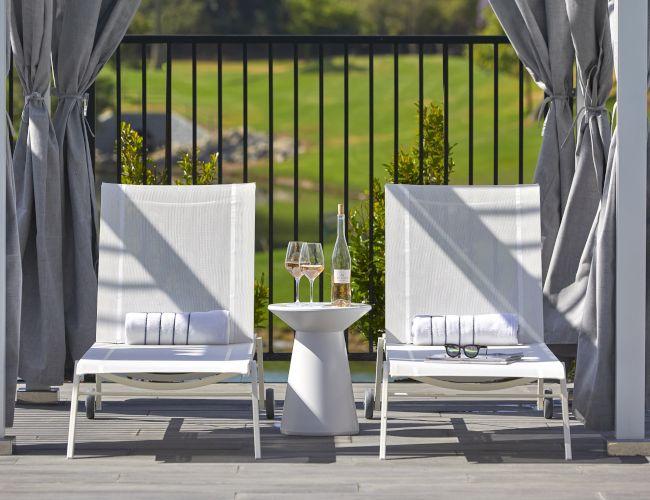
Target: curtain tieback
[
  {"x": 587, "y": 112},
  {"x": 34, "y": 97},
  {"x": 549, "y": 100},
  {"x": 83, "y": 99}
]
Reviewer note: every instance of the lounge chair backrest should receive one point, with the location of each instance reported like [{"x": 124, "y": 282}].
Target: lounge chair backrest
[
  {"x": 175, "y": 249},
  {"x": 463, "y": 250}
]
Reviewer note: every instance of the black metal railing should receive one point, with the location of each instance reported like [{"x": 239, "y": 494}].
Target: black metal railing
[{"x": 227, "y": 48}]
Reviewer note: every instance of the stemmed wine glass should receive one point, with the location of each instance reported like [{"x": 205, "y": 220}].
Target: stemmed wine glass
[
  {"x": 292, "y": 264},
  {"x": 312, "y": 263}
]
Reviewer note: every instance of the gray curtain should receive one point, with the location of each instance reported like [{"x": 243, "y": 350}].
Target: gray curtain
[
  {"x": 539, "y": 32},
  {"x": 594, "y": 381},
  {"x": 86, "y": 33},
  {"x": 38, "y": 199},
  {"x": 14, "y": 277},
  {"x": 564, "y": 293}
]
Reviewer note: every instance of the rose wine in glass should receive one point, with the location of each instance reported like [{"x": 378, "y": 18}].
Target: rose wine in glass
[
  {"x": 312, "y": 263},
  {"x": 341, "y": 265},
  {"x": 292, "y": 264}
]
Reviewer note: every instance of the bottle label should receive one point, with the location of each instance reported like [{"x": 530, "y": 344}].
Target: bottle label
[{"x": 341, "y": 276}]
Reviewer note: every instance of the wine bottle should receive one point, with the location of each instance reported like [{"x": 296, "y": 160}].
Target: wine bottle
[{"x": 341, "y": 265}]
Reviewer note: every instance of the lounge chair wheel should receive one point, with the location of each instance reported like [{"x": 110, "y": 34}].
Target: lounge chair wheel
[
  {"x": 548, "y": 406},
  {"x": 369, "y": 403},
  {"x": 269, "y": 403},
  {"x": 90, "y": 407}
]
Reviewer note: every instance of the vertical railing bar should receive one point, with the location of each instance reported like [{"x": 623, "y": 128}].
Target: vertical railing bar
[
  {"x": 521, "y": 123},
  {"x": 219, "y": 114},
  {"x": 295, "y": 145},
  {"x": 321, "y": 165},
  {"x": 470, "y": 139},
  {"x": 91, "y": 116},
  {"x": 118, "y": 114},
  {"x": 445, "y": 85},
  {"x": 371, "y": 175},
  {"x": 421, "y": 111},
  {"x": 245, "y": 94},
  {"x": 270, "y": 235},
  {"x": 194, "y": 113},
  {"x": 346, "y": 144},
  {"x": 143, "y": 64},
  {"x": 168, "y": 114},
  {"x": 396, "y": 113},
  {"x": 495, "y": 138}
]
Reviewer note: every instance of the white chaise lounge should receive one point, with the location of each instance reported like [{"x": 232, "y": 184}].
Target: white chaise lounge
[
  {"x": 173, "y": 249},
  {"x": 464, "y": 250}
]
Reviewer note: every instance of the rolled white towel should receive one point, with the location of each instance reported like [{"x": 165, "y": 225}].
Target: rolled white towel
[
  {"x": 481, "y": 329},
  {"x": 135, "y": 327},
  {"x": 195, "y": 328},
  {"x": 496, "y": 329}
]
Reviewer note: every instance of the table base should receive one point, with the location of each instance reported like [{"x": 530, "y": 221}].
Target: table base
[{"x": 319, "y": 399}]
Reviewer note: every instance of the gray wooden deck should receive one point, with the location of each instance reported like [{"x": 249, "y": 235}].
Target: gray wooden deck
[{"x": 174, "y": 448}]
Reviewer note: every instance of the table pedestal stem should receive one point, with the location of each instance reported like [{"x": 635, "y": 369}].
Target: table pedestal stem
[{"x": 319, "y": 399}]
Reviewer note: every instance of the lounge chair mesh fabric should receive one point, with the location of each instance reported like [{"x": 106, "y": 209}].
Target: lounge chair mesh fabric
[
  {"x": 175, "y": 249},
  {"x": 458, "y": 250}
]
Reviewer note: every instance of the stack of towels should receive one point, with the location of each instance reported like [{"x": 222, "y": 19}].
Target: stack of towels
[
  {"x": 194, "y": 328},
  {"x": 478, "y": 329}
]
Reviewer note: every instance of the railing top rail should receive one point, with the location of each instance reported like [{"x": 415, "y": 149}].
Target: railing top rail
[{"x": 317, "y": 39}]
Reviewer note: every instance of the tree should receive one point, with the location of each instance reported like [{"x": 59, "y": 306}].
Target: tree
[
  {"x": 415, "y": 17},
  {"x": 322, "y": 17}
]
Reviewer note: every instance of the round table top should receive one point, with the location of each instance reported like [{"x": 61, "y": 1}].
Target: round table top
[
  {"x": 315, "y": 306},
  {"x": 318, "y": 316}
]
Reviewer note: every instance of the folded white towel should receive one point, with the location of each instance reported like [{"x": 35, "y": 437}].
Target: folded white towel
[
  {"x": 480, "y": 329},
  {"x": 195, "y": 328}
]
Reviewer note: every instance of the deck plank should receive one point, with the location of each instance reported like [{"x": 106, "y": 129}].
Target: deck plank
[{"x": 169, "y": 448}]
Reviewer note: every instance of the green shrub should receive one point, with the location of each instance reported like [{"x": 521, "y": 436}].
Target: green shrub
[
  {"x": 133, "y": 170},
  {"x": 364, "y": 270},
  {"x": 205, "y": 170},
  {"x": 260, "y": 314}
]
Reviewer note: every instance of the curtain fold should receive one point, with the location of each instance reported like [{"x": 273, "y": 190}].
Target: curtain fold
[
  {"x": 38, "y": 199},
  {"x": 86, "y": 33},
  {"x": 593, "y": 396},
  {"x": 14, "y": 275},
  {"x": 539, "y": 32}
]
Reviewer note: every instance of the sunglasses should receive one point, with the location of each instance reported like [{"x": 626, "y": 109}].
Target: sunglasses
[{"x": 470, "y": 351}]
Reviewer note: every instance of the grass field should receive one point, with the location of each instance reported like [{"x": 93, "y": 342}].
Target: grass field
[{"x": 333, "y": 139}]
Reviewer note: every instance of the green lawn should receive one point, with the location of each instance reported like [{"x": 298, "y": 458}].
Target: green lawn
[{"x": 333, "y": 130}]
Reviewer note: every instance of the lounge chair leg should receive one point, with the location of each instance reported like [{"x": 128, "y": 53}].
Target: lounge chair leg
[
  {"x": 259, "y": 347},
  {"x": 540, "y": 394},
  {"x": 565, "y": 420},
  {"x": 256, "y": 412},
  {"x": 74, "y": 403},
  {"x": 384, "y": 412},
  {"x": 378, "y": 372},
  {"x": 98, "y": 393}
]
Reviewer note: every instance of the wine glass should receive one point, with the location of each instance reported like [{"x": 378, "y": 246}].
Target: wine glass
[
  {"x": 312, "y": 263},
  {"x": 292, "y": 264}
]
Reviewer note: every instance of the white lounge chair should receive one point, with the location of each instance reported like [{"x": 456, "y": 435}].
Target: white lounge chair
[
  {"x": 464, "y": 250},
  {"x": 173, "y": 249}
]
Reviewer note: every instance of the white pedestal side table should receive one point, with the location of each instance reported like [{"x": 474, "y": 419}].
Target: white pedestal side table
[{"x": 319, "y": 399}]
